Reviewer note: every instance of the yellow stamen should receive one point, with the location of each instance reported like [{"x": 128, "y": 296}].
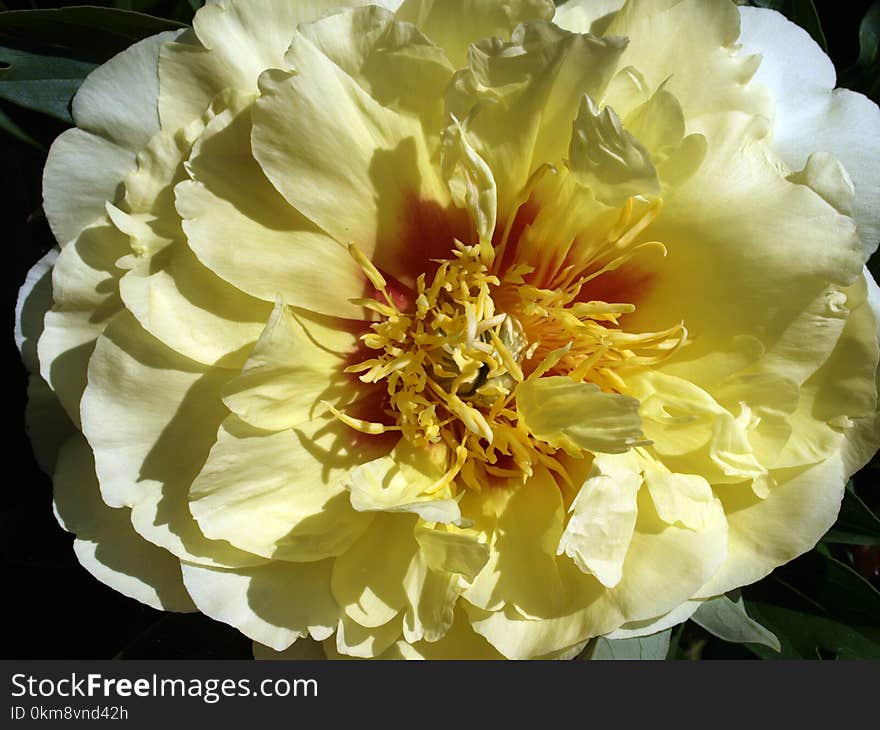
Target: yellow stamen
[
  {"x": 452, "y": 362},
  {"x": 359, "y": 424}
]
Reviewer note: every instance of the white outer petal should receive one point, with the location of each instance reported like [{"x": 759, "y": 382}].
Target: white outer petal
[
  {"x": 811, "y": 115},
  {"x": 106, "y": 544},
  {"x": 34, "y": 300},
  {"x": 873, "y": 298},
  {"x": 116, "y": 113}
]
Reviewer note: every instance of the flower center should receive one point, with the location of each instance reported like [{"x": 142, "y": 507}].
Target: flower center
[{"x": 452, "y": 360}]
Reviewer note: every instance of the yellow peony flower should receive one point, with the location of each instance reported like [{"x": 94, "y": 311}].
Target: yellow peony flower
[{"x": 473, "y": 328}]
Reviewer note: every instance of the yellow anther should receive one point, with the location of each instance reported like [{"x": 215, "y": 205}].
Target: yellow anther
[
  {"x": 372, "y": 273},
  {"x": 358, "y": 424},
  {"x": 450, "y": 364}
]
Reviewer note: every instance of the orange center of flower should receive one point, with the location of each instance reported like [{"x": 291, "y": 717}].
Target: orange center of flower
[{"x": 452, "y": 361}]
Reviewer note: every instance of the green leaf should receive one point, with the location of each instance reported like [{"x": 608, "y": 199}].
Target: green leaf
[
  {"x": 803, "y": 12},
  {"x": 805, "y": 635},
  {"x": 9, "y": 126},
  {"x": 869, "y": 36},
  {"x": 836, "y": 587},
  {"x": 818, "y": 607},
  {"x": 856, "y": 524},
  {"x": 728, "y": 620},
  {"x": 652, "y": 647},
  {"x": 95, "y": 33},
  {"x": 864, "y": 74},
  {"x": 42, "y": 83}
]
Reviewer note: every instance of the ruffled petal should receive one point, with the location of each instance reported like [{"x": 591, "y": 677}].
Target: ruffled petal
[
  {"x": 455, "y": 24},
  {"x": 607, "y": 159},
  {"x": 274, "y": 604},
  {"x": 392, "y": 61},
  {"x": 85, "y": 282},
  {"x": 766, "y": 533},
  {"x": 106, "y": 543},
  {"x": 142, "y": 402},
  {"x": 635, "y": 629},
  {"x": 863, "y": 439},
  {"x": 349, "y": 147},
  {"x": 246, "y": 233},
  {"x": 811, "y": 115},
  {"x": 172, "y": 295},
  {"x": 586, "y": 16},
  {"x": 409, "y": 479},
  {"x": 575, "y": 416},
  {"x": 519, "y": 100},
  {"x": 729, "y": 256},
  {"x": 295, "y": 366},
  {"x": 86, "y": 164},
  {"x": 278, "y": 494},
  {"x": 705, "y": 35},
  {"x": 231, "y": 44},
  {"x": 665, "y": 565},
  {"x": 603, "y": 517},
  {"x": 372, "y": 598}
]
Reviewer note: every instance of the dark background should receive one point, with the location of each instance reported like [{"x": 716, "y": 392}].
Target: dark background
[{"x": 57, "y": 610}]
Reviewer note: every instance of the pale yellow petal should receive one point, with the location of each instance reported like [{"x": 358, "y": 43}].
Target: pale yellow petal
[
  {"x": 586, "y": 16},
  {"x": 519, "y": 100},
  {"x": 231, "y": 44},
  {"x": 193, "y": 311},
  {"x": 355, "y": 640},
  {"x": 845, "y": 384},
  {"x": 603, "y": 517},
  {"x": 862, "y": 439},
  {"x": 392, "y": 61},
  {"x": 115, "y": 114},
  {"x": 765, "y": 533},
  {"x": 730, "y": 254},
  {"x": 607, "y": 159},
  {"x": 470, "y": 180},
  {"x": 824, "y": 174},
  {"x": 151, "y": 417},
  {"x": 274, "y": 604},
  {"x": 461, "y": 642},
  {"x": 297, "y": 364},
  {"x": 245, "y": 232},
  {"x": 278, "y": 494},
  {"x": 173, "y": 296},
  {"x": 371, "y": 597},
  {"x": 350, "y": 147},
  {"x": 686, "y": 499},
  {"x": 522, "y": 567},
  {"x": 575, "y": 416},
  {"x": 635, "y": 629},
  {"x": 705, "y": 34},
  {"x": 85, "y": 291},
  {"x": 431, "y": 596},
  {"x": 455, "y": 24},
  {"x": 409, "y": 479},
  {"x": 665, "y": 565},
  {"x": 106, "y": 543},
  {"x": 452, "y": 549}
]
